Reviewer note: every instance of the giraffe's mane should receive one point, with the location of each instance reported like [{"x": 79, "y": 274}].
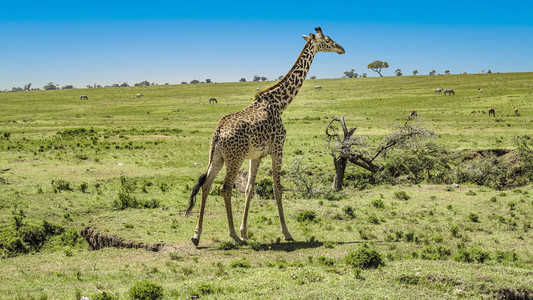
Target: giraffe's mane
[{"x": 265, "y": 91}]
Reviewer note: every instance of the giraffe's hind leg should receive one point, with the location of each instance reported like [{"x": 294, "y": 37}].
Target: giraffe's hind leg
[
  {"x": 232, "y": 168},
  {"x": 254, "y": 166},
  {"x": 276, "y": 173},
  {"x": 214, "y": 167}
]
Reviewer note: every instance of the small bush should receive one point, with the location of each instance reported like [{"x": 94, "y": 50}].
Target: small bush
[
  {"x": 454, "y": 230},
  {"x": 378, "y": 203},
  {"x": 439, "y": 253},
  {"x": 205, "y": 289},
  {"x": 240, "y": 264},
  {"x": 328, "y": 262},
  {"x": 349, "y": 211},
  {"x": 402, "y": 195},
  {"x": 103, "y": 296},
  {"x": 473, "y": 217},
  {"x": 264, "y": 188},
  {"x": 306, "y": 216},
  {"x": 70, "y": 237},
  {"x": 61, "y": 185},
  {"x": 364, "y": 258},
  {"x": 472, "y": 255},
  {"x": 227, "y": 246},
  {"x": 146, "y": 290}
]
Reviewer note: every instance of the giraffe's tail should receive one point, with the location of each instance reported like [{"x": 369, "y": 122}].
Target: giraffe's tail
[{"x": 195, "y": 191}]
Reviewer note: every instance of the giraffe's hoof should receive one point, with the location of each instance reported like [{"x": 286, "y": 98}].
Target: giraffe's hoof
[
  {"x": 289, "y": 239},
  {"x": 195, "y": 241}
]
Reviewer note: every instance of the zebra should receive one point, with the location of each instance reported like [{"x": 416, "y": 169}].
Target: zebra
[
  {"x": 449, "y": 92},
  {"x": 213, "y": 100},
  {"x": 438, "y": 90},
  {"x": 140, "y": 95},
  {"x": 84, "y": 97}
]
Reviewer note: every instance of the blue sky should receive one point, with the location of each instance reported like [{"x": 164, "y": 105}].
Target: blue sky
[{"x": 106, "y": 42}]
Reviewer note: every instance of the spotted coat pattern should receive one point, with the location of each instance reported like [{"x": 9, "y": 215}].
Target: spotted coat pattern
[{"x": 253, "y": 133}]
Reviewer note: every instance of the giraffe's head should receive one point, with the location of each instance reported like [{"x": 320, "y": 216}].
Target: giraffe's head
[{"x": 323, "y": 42}]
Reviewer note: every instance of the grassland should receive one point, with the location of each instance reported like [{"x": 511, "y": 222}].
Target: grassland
[{"x": 62, "y": 159}]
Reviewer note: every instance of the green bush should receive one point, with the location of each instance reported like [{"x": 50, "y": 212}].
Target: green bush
[
  {"x": 364, "y": 258},
  {"x": 205, "y": 289},
  {"x": 264, "y": 188},
  {"x": 439, "y": 253},
  {"x": 70, "y": 237},
  {"x": 349, "y": 211},
  {"x": 306, "y": 216},
  {"x": 378, "y": 203},
  {"x": 146, "y": 290},
  {"x": 472, "y": 255},
  {"x": 240, "y": 264},
  {"x": 402, "y": 195}
]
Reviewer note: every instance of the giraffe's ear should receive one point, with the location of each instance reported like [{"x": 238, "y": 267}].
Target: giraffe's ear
[{"x": 306, "y": 38}]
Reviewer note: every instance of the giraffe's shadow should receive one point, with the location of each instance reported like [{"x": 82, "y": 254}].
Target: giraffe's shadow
[{"x": 293, "y": 246}]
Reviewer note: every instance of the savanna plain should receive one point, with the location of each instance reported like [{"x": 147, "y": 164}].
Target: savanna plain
[{"x": 453, "y": 222}]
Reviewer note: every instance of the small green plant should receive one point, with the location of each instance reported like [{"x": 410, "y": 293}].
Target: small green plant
[
  {"x": 471, "y": 193},
  {"x": 349, "y": 211},
  {"x": 227, "y": 246},
  {"x": 240, "y": 264},
  {"x": 61, "y": 185},
  {"x": 205, "y": 289},
  {"x": 306, "y": 216},
  {"x": 472, "y": 255},
  {"x": 84, "y": 186},
  {"x": 264, "y": 188},
  {"x": 473, "y": 217},
  {"x": 146, "y": 290},
  {"x": 378, "y": 203},
  {"x": 493, "y": 199},
  {"x": 402, "y": 195},
  {"x": 364, "y": 258},
  {"x": 328, "y": 262},
  {"x": 454, "y": 230}
]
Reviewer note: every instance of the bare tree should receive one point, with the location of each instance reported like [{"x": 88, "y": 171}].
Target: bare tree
[{"x": 350, "y": 148}]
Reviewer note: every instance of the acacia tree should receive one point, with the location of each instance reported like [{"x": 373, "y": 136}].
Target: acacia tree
[
  {"x": 350, "y": 148},
  {"x": 377, "y": 66},
  {"x": 351, "y": 74},
  {"x": 398, "y": 72}
]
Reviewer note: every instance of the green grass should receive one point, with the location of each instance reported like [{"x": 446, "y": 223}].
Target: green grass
[{"x": 71, "y": 160}]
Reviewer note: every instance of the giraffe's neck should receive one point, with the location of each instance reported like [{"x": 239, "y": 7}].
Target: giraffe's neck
[{"x": 281, "y": 94}]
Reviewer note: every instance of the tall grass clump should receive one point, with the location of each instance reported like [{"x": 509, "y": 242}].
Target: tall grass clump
[
  {"x": 145, "y": 290},
  {"x": 364, "y": 258}
]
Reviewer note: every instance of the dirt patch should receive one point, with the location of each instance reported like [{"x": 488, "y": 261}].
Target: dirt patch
[
  {"x": 98, "y": 240},
  {"x": 513, "y": 294}
]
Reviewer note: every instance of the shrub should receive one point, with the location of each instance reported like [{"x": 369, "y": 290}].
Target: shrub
[
  {"x": 264, "y": 188},
  {"x": 378, "y": 203},
  {"x": 124, "y": 201},
  {"x": 146, "y": 290},
  {"x": 70, "y": 237},
  {"x": 473, "y": 217},
  {"x": 306, "y": 216},
  {"x": 328, "y": 262},
  {"x": 240, "y": 264},
  {"x": 402, "y": 195},
  {"x": 61, "y": 185},
  {"x": 205, "y": 289},
  {"x": 472, "y": 255},
  {"x": 227, "y": 246},
  {"x": 349, "y": 211},
  {"x": 439, "y": 253},
  {"x": 364, "y": 258}
]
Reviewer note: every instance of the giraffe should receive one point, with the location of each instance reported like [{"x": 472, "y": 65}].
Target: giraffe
[{"x": 253, "y": 133}]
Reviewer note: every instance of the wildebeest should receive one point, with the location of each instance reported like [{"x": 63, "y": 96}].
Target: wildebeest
[
  {"x": 140, "y": 95},
  {"x": 438, "y": 90},
  {"x": 84, "y": 97},
  {"x": 492, "y": 112},
  {"x": 318, "y": 87},
  {"x": 449, "y": 92},
  {"x": 213, "y": 100}
]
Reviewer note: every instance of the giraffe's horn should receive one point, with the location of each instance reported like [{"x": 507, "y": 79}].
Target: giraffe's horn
[{"x": 318, "y": 30}]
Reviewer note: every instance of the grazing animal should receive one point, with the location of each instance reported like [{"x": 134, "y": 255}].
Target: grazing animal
[
  {"x": 318, "y": 87},
  {"x": 438, "y": 90},
  {"x": 449, "y": 92},
  {"x": 212, "y": 100},
  {"x": 492, "y": 112},
  {"x": 253, "y": 133},
  {"x": 140, "y": 95},
  {"x": 480, "y": 90},
  {"x": 84, "y": 97},
  {"x": 258, "y": 89},
  {"x": 413, "y": 115},
  {"x": 516, "y": 111}
]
